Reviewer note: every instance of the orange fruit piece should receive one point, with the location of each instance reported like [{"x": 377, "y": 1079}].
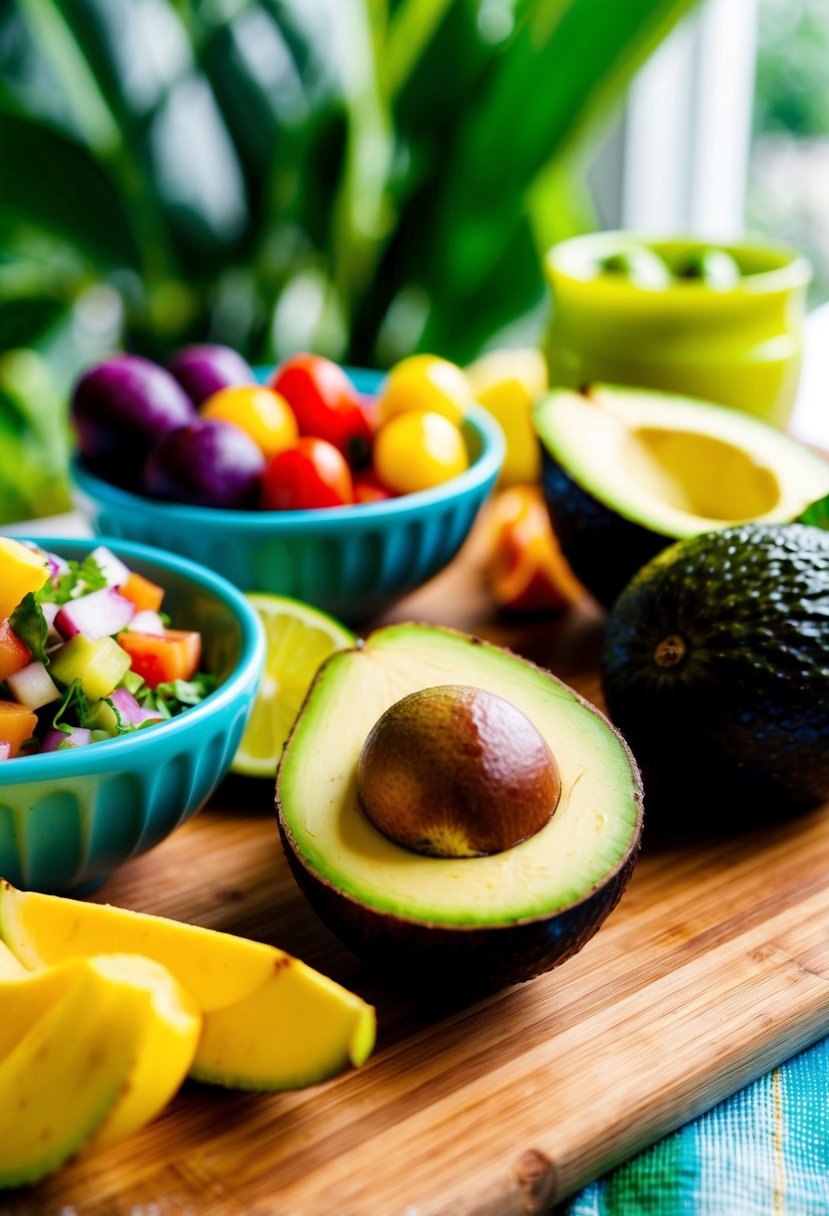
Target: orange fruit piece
[{"x": 526, "y": 570}]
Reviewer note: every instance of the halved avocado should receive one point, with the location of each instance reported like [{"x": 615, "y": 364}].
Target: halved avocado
[
  {"x": 626, "y": 472},
  {"x": 486, "y": 920}
]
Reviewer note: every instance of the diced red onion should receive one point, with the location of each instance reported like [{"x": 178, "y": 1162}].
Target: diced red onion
[
  {"x": 97, "y": 615},
  {"x": 146, "y": 621},
  {"x": 112, "y": 568},
  {"x": 50, "y": 611},
  {"x": 5, "y": 751},
  {"x": 57, "y": 565},
  {"x": 76, "y": 736},
  {"x": 32, "y": 686},
  {"x": 129, "y": 710}
]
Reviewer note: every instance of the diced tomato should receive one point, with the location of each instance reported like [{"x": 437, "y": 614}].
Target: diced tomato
[
  {"x": 14, "y": 654},
  {"x": 161, "y": 657},
  {"x": 17, "y": 724},
  {"x": 141, "y": 592}
]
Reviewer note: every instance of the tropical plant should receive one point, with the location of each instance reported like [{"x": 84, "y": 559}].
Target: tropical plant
[{"x": 358, "y": 177}]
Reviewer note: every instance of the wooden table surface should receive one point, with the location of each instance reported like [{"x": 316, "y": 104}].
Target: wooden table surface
[{"x": 714, "y": 968}]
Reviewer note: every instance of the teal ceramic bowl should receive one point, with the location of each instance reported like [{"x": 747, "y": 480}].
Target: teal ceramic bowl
[
  {"x": 68, "y": 818},
  {"x": 351, "y": 561}
]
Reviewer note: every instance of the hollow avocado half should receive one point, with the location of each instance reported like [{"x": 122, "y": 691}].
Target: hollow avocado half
[
  {"x": 492, "y": 920},
  {"x": 626, "y": 472}
]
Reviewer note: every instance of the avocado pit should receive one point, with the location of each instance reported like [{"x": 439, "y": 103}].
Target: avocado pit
[{"x": 455, "y": 771}]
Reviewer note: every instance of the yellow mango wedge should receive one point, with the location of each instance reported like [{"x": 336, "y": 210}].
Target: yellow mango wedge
[
  {"x": 90, "y": 1050},
  {"x": 10, "y": 965},
  {"x": 21, "y": 571},
  {"x": 507, "y": 383},
  {"x": 269, "y": 1021}
]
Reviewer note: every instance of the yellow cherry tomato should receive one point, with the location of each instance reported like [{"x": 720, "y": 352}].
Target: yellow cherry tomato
[
  {"x": 425, "y": 382},
  {"x": 418, "y": 450},
  {"x": 263, "y": 414}
]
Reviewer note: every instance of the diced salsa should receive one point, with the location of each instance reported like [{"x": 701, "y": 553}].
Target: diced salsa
[{"x": 87, "y": 653}]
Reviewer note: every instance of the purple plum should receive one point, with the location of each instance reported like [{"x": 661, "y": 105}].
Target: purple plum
[
  {"x": 203, "y": 370},
  {"x": 120, "y": 409},
  {"x": 207, "y": 463}
]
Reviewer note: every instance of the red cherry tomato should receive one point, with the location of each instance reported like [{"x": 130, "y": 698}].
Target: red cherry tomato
[
  {"x": 312, "y": 474},
  {"x": 326, "y": 405},
  {"x": 368, "y": 489}
]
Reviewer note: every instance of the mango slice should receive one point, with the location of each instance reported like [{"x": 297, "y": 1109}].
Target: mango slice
[
  {"x": 508, "y": 383},
  {"x": 90, "y": 1050},
  {"x": 269, "y": 1021},
  {"x": 168, "y": 1024},
  {"x": 21, "y": 571},
  {"x": 10, "y": 965}
]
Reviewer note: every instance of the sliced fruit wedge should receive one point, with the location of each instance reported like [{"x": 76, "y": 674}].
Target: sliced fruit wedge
[
  {"x": 90, "y": 1050},
  {"x": 11, "y": 967},
  {"x": 299, "y": 639},
  {"x": 269, "y": 1021}
]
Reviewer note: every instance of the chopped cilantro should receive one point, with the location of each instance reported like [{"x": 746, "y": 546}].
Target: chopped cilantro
[
  {"x": 29, "y": 623},
  {"x": 74, "y": 700},
  {"x": 133, "y": 683},
  {"x": 171, "y": 698},
  {"x": 81, "y": 578}
]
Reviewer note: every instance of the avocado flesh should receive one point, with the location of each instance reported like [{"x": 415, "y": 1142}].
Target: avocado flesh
[
  {"x": 627, "y": 471},
  {"x": 590, "y": 835}
]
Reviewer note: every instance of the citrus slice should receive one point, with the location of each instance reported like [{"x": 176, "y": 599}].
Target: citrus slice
[{"x": 299, "y": 638}]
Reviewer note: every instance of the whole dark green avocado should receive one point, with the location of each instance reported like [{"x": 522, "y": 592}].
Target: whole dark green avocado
[{"x": 716, "y": 670}]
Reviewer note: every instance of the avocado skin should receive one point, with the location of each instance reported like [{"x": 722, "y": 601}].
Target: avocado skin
[
  {"x": 741, "y": 724},
  {"x": 603, "y": 549},
  {"x": 474, "y": 961}
]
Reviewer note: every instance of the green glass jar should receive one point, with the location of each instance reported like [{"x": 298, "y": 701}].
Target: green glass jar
[{"x": 735, "y": 341}]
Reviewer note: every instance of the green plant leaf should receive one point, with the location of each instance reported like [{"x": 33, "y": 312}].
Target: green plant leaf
[
  {"x": 816, "y": 514},
  {"x": 34, "y": 439},
  {"x": 38, "y": 163},
  {"x": 561, "y": 68},
  {"x": 179, "y": 158},
  {"x": 257, "y": 84},
  {"x": 25, "y": 319},
  {"x": 514, "y": 288},
  {"x": 392, "y": 167},
  {"x": 361, "y": 209},
  {"x": 410, "y": 31}
]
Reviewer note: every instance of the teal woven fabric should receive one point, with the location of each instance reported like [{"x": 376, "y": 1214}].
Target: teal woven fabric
[{"x": 764, "y": 1152}]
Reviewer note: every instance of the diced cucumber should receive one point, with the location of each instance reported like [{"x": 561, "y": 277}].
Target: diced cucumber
[
  {"x": 132, "y": 681},
  {"x": 102, "y": 717},
  {"x": 99, "y": 664}
]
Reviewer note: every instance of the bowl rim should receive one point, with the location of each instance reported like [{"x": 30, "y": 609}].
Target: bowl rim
[
  {"x": 790, "y": 270},
  {"x": 104, "y": 756},
  {"x": 331, "y": 519}
]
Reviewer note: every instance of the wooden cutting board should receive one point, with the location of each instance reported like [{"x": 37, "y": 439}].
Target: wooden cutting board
[{"x": 713, "y": 969}]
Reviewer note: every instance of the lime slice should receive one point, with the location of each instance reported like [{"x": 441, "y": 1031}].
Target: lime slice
[{"x": 298, "y": 638}]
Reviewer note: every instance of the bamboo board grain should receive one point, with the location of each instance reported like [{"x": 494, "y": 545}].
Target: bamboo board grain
[{"x": 714, "y": 968}]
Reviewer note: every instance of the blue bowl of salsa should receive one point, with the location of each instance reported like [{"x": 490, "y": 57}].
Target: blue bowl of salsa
[{"x": 69, "y": 817}]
